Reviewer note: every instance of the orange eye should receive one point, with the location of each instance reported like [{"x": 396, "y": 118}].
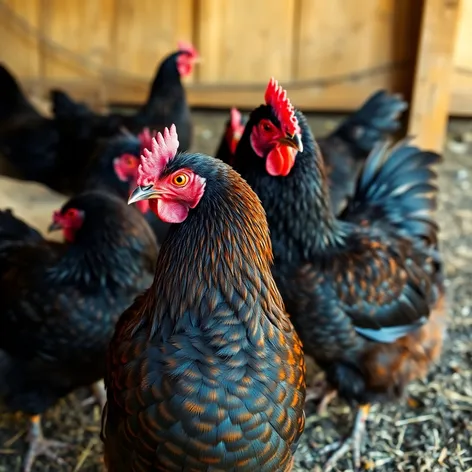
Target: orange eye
[{"x": 180, "y": 180}]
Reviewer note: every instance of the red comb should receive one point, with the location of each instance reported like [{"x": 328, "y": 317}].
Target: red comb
[
  {"x": 235, "y": 119},
  {"x": 276, "y": 97},
  {"x": 187, "y": 47},
  {"x": 145, "y": 138},
  {"x": 163, "y": 149}
]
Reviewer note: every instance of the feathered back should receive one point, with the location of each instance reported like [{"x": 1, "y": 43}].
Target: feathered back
[{"x": 397, "y": 191}]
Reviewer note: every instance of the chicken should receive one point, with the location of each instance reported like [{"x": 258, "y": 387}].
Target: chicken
[
  {"x": 60, "y": 302},
  {"x": 49, "y": 151},
  {"x": 126, "y": 169},
  {"x": 166, "y": 103},
  {"x": 364, "y": 290},
  {"x": 347, "y": 147},
  {"x": 205, "y": 371},
  {"x": 234, "y": 129}
]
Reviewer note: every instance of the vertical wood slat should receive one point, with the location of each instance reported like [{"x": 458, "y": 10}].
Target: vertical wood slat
[
  {"x": 431, "y": 90},
  {"x": 461, "y": 96},
  {"x": 19, "y": 51},
  {"x": 245, "y": 41},
  {"x": 146, "y": 31},
  {"x": 338, "y": 39}
]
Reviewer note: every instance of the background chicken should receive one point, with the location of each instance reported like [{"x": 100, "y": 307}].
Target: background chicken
[
  {"x": 166, "y": 103},
  {"x": 204, "y": 371},
  {"x": 126, "y": 169},
  {"x": 347, "y": 147},
  {"x": 60, "y": 301},
  {"x": 364, "y": 291},
  {"x": 234, "y": 129},
  {"x": 50, "y": 151}
]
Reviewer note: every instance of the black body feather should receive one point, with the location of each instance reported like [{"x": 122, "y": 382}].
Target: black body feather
[{"x": 60, "y": 302}]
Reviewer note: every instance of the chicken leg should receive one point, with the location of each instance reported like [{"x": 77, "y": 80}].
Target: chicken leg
[
  {"x": 353, "y": 441},
  {"x": 40, "y": 446}
]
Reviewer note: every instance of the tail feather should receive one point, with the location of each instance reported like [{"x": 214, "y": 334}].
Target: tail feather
[
  {"x": 13, "y": 229},
  {"x": 397, "y": 190},
  {"x": 377, "y": 118},
  {"x": 12, "y": 99}
]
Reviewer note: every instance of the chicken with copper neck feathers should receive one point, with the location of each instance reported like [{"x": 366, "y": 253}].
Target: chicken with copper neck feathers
[
  {"x": 205, "y": 371},
  {"x": 60, "y": 302},
  {"x": 364, "y": 290}
]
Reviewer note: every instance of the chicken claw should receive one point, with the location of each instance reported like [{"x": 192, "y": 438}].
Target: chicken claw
[
  {"x": 39, "y": 446},
  {"x": 352, "y": 442},
  {"x": 99, "y": 395}
]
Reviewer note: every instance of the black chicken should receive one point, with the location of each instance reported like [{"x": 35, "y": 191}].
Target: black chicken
[
  {"x": 166, "y": 103},
  {"x": 60, "y": 302},
  {"x": 205, "y": 372},
  {"x": 50, "y": 151},
  {"x": 114, "y": 168},
  {"x": 365, "y": 291},
  {"x": 345, "y": 149}
]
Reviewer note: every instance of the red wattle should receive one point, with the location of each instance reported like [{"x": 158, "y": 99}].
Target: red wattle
[{"x": 280, "y": 160}]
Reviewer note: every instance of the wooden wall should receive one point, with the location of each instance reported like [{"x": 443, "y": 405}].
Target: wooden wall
[
  {"x": 329, "y": 55},
  {"x": 461, "y": 98}
]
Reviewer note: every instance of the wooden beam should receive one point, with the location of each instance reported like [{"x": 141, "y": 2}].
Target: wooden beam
[{"x": 434, "y": 67}]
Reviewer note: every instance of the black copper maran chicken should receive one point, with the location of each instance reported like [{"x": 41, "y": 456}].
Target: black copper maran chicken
[
  {"x": 60, "y": 302},
  {"x": 205, "y": 371},
  {"x": 364, "y": 290}
]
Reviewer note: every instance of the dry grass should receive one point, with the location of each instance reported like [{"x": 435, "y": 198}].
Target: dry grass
[{"x": 431, "y": 431}]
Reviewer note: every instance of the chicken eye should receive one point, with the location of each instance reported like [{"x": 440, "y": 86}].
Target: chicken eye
[
  {"x": 266, "y": 126},
  {"x": 180, "y": 180}
]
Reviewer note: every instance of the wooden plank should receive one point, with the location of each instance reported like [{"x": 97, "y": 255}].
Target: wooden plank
[
  {"x": 350, "y": 96},
  {"x": 431, "y": 90},
  {"x": 145, "y": 31},
  {"x": 77, "y": 36},
  {"x": 19, "y": 46},
  {"x": 245, "y": 41},
  {"x": 461, "y": 97},
  {"x": 340, "y": 38}
]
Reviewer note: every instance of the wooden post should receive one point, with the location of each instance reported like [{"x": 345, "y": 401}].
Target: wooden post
[{"x": 434, "y": 64}]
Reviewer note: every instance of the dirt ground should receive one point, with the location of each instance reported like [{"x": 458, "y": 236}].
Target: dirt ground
[{"x": 431, "y": 431}]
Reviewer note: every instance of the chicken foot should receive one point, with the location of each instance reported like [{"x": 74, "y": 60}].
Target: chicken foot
[
  {"x": 40, "y": 446},
  {"x": 321, "y": 391},
  {"x": 99, "y": 395},
  {"x": 352, "y": 442}
]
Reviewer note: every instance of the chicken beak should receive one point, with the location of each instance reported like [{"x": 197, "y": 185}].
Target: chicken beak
[
  {"x": 54, "y": 226},
  {"x": 294, "y": 141},
  {"x": 142, "y": 193}
]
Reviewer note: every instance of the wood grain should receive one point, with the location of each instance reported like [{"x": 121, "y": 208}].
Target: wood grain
[{"x": 431, "y": 91}]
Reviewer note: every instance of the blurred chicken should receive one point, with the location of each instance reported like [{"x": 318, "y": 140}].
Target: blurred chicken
[
  {"x": 166, "y": 103},
  {"x": 234, "y": 129},
  {"x": 126, "y": 170},
  {"x": 50, "y": 151},
  {"x": 205, "y": 371},
  {"x": 60, "y": 301},
  {"x": 347, "y": 147},
  {"x": 365, "y": 291}
]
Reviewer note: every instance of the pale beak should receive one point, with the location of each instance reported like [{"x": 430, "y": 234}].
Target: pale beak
[
  {"x": 294, "y": 141},
  {"x": 142, "y": 193},
  {"x": 54, "y": 226}
]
